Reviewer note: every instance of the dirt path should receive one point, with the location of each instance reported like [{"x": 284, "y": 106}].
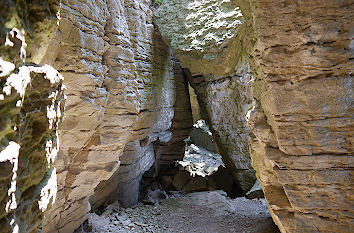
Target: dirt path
[{"x": 203, "y": 212}]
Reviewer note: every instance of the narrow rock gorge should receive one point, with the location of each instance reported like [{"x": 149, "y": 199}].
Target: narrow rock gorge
[{"x": 96, "y": 99}]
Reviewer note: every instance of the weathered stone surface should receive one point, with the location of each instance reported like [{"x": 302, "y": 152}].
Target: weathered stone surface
[
  {"x": 202, "y": 33},
  {"x": 182, "y": 123},
  {"x": 194, "y": 105},
  {"x": 124, "y": 183},
  {"x": 303, "y": 123},
  {"x": 210, "y": 39},
  {"x": 255, "y": 191},
  {"x": 31, "y": 103},
  {"x": 35, "y": 20},
  {"x": 123, "y": 88},
  {"x": 302, "y": 62},
  {"x": 306, "y": 192},
  {"x": 224, "y": 102},
  {"x": 31, "y": 107},
  {"x": 201, "y": 136},
  {"x": 147, "y": 154},
  {"x": 121, "y": 97}
]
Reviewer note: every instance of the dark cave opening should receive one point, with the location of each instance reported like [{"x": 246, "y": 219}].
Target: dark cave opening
[{"x": 201, "y": 168}]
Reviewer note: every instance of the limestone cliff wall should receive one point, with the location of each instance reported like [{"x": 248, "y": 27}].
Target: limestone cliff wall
[
  {"x": 300, "y": 54},
  {"x": 303, "y": 150},
  {"x": 121, "y": 93},
  {"x": 127, "y": 102},
  {"x": 284, "y": 68},
  {"x": 140, "y": 156}
]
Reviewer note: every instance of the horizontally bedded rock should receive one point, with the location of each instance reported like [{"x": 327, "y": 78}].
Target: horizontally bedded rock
[
  {"x": 303, "y": 122},
  {"x": 121, "y": 90},
  {"x": 302, "y": 64}
]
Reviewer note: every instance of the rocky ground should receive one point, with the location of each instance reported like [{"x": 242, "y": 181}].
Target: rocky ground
[{"x": 201, "y": 212}]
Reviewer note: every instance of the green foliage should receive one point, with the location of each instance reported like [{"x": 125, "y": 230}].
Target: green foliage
[{"x": 158, "y": 2}]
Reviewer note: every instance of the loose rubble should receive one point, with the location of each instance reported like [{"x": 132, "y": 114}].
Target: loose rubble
[{"x": 203, "y": 212}]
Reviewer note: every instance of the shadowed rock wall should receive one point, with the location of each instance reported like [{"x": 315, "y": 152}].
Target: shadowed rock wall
[
  {"x": 210, "y": 39},
  {"x": 141, "y": 156},
  {"x": 31, "y": 107}
]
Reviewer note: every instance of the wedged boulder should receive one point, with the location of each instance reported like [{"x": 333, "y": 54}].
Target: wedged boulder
[
  {"x": 202, "y": 33},
  {"x": 211, "y": 39},
  {"x": 224, "y": 102}
]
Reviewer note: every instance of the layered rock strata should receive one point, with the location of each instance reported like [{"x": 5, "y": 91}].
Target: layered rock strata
[
  {"x": 127, "y": 100},
  {"x": 303, "y": 127},
  {"x": 121, "y": 97},
  {"x": 301, "y": 56},
  {"x": 124, "y": 184},
  {"x": 149, "y": 156}
]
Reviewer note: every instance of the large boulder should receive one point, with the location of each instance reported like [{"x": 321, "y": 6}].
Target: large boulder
[
  {"x": 202, "y": 33},
  {"x": 211, "y": 39}
]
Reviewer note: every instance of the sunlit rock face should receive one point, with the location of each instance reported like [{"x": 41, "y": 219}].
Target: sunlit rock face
[
  {"x": 121, "y": 96},
  {"x": 202, "y": 33},
  {"x": 31, "y": 107},
  {"x": 303, "y": 125},
  {"x": 210, "y": 39},
  {"x": 31, "y": 104}
]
